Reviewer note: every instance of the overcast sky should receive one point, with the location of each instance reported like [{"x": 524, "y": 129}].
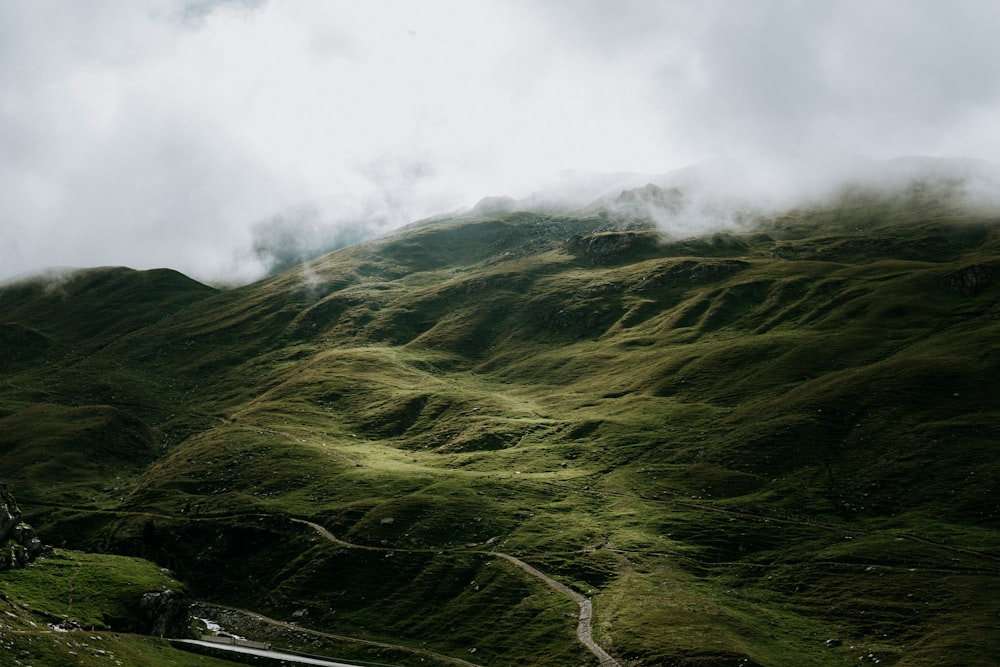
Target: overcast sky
[{"x": 180, "y": 132}]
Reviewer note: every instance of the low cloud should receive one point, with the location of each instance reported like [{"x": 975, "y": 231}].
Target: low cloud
[
  {"x": 727, "y": 195},
  {"x": 303, "y": 233},
  {"x": 226, "y": 138}
]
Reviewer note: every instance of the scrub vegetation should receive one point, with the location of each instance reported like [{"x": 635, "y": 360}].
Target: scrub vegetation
[{"x": 771, "y": 447}]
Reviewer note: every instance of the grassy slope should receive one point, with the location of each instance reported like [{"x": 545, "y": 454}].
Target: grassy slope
[
  {"x": 90, "y": 591},
  {"x": 741, "y": 446}
]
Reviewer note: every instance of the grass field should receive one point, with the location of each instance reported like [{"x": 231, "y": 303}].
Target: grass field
[{"x": 773, "y": 447}]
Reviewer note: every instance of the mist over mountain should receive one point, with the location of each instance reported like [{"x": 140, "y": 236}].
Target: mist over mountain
[
  {"x": 730, "y": 416},
  {"x": 500, "y": 332},
  {"x": 731, "y": 196},
  {"x": 303, "y": 233},
  {"x": 714, "y": 196},
  {"x": 164, "y": 133}
]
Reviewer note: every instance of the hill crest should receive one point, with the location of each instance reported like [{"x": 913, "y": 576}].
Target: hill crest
[{"x": 734, "y": 443}]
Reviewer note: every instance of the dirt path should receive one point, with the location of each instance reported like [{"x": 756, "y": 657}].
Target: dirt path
[
  {"x": 584, "y": 630},
  {"x": 583, "y": 627},
  {"x": 333, "y": 538}
]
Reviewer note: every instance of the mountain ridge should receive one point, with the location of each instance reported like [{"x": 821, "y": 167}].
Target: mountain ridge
[{"x": 731, "y": 442}]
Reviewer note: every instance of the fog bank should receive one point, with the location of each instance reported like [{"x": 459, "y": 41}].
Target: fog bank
[{"x": 227, "y": 138}]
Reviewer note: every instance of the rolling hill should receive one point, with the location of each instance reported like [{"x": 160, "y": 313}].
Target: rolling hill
[{"x": 769, "y": 445}]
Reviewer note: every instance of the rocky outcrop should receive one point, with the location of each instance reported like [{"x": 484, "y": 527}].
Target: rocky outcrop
[
  {"x": 18, "y": 544},
  {"x": 611, "y": 246},
  {"x": 10, "y": 513},
  {"x": 164, "y": 614},
  {"x": 970, "y": 280}
]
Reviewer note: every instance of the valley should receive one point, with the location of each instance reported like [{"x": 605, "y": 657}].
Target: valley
[{"x": 769, "y": 445}]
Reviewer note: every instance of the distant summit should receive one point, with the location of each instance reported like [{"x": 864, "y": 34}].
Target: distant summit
[{"x": 727, "y": 195}]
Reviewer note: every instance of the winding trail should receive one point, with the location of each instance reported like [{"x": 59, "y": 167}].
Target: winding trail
[
  {"x": 584, "y": 630},
  {"x": 583, "y": 627}
]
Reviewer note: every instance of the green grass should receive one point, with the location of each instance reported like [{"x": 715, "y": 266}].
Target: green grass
[
  {"x": 99, "y": 649},
  {"x": 96, "y": 591},
  {"x": 74, "y": 455},
  {"x": 741, "y": 446},
  {"x": 71, "y": 608}
]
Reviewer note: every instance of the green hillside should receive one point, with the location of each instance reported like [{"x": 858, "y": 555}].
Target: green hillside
[{"x": 766, "y": 447}]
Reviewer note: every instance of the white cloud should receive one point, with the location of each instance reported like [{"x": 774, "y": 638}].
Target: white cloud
[{"x": 164, "y": 132}]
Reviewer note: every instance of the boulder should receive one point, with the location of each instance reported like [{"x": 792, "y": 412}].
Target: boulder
[
  {"x": 10, "y": 514},
  {"x": 18, "y": 544},
  {"x": 970, "y": 280}
]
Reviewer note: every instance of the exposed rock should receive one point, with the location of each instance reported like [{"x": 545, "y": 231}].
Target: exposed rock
[
  {"x": 18, "y": 544},
  {"x": 164, "y": 614},
  {"x": 970, "y": 280},
  {"x": 10, "y": 513},
  {"x": 605, "y": 246}
]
